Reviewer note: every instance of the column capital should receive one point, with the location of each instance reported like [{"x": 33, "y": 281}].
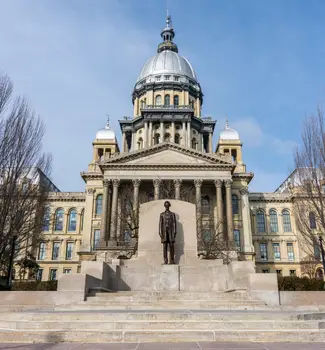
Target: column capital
[
  {"x": 91, "y": 190},
  {"x": 116, "y": 182},
  {"x": 218, "y": 183},
  {"x": 106, "y": 182},
  {"x": 198, "y": 182},
  {"x": 136, "y": 182},
  {"x": 244, "y": 191},
  {"x": 177, "y": 182},
  {"x": 156, "y": 182},
  {"x": 228, "y": 183}
]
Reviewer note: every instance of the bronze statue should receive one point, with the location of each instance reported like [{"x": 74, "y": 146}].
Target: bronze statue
[{"x": 167, "y": 233}]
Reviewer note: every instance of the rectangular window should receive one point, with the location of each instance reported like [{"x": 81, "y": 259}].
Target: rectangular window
[
  {"x": 291, "y": 254},
  {"x": 266, "y": 271},
  {"x": 42, "y": 251},
  {"x": 176, "y": 78},
  {"x": 69, "y": 251},
  {"x": 53, "y": 274},
  {"x": 167, "y": 77},
  {"x": 263, "y": 251},
  {"x": 316, "y": 251},
  {"x": 66, "y": 271},
  {"x": 96, "y": 238},
  {"x": 292, "y": 272},
  {"x": 56, "y": 251},
  {"x": 276, "y": 251},
  {"x": 237, "y": 239},
  {"x": 39, "y": 274}
]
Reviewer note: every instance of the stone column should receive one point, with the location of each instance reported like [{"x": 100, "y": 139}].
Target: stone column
[
  {"x": 188, "y": 138},
  {"x": 116, "y": 183},
  {"x": 150, "y": 134},
  {"x": 210, "y": 143},
  {"x": 198, "y": 184},
  {"x": 123, "y": 142},
  {"x": 246, "y": 235},
  {"x": 177, "y": 184},
  {"x": 184, "y": 134},
  {"x": 133, "y": 141},
  {"x": 230, "y": 233},
  {"x": 172, "y": 138},
  {"x": 220, "y": 223},
  {"x": 105, "y": 213},
  {"x": 162, "y": 132},
  {"x": 136, "y": 186},
  {"x": 145, "y": 136},
  {"x": 156, "y": 185}
]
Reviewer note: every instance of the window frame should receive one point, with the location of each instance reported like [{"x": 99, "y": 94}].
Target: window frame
[
  {"x": 56, "y": 250},
  {"x": 73, "y": 210},
  {"x": 286, "y": 225},
  {"x": 260, "y": 213},
  {"x": 59, "y": 220},
  {"x": 99, "y": 204},
  {"x": 69, "y": 256},
  {"x": 274, "y": 222}
]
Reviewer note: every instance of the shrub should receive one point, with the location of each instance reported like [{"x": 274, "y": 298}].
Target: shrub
[
  {"x": 34, "y": 285},
  {"x": 293, "y": 283}
]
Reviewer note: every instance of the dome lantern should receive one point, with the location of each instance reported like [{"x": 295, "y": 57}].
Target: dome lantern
[{"x": 168, "y": 35}]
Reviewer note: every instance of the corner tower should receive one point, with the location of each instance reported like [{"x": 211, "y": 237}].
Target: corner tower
[{"x": 167, "y": 100}]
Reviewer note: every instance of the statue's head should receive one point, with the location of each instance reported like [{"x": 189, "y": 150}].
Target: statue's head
[{"x": 167, "y": 205}]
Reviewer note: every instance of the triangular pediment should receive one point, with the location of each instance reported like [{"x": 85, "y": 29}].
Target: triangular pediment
[{"x": 168, "y": 154}]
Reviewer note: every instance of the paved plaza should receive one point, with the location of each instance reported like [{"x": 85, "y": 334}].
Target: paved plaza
[{"x": 168, "y": 346}]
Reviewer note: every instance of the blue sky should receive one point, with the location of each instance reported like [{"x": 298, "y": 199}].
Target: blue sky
[{"x": 261, "y": 63}]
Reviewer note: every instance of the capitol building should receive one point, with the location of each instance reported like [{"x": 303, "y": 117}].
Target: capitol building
[{"x": 167, "y": 152}]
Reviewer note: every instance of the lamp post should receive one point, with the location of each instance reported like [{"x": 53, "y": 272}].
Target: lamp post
[
  {"x": 322, "y": 252},
  {"x": 11, "y": 261}
]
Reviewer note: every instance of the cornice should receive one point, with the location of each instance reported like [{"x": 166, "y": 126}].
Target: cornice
[
  {"x": 269, "y": 197},
  {"x": 66, "y": 197},
  {"x": 91, "y": 176}
]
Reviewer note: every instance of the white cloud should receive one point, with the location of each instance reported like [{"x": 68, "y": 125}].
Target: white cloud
[
  {"x": 249, "y": 131},
  {"x": 285, "y": 147}
]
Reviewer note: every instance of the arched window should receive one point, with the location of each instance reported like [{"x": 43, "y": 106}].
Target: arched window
[
  {"x": 260, "y": 221},
  {"x": 99, "y": 205},
  {"x": 46, "y": 219},
  {"x": 156, "y": 139},
  {"x": 319, "y": 274},
  {"x": 167, "y": 100},
  {"x": 59, "y": 215},
  {"x": 194, "y": 143},
  {"x": 205, "y": 205},
  {"x": 235, "y": 204},
  {"x": 140, "y": 143},
  {"x": 72, "y": 223},
  {"x": 167, "y": 137},
  {"x": 176, "y": 100},
  {"x": 273, "y": 221},
  {"x": 177, "y": 139},
  {"x": 286, "y": 221},
  {"x": 158, "y": 100},
  {"x": 143, "y": 103},
  {"x": 237, "y": 239},
  {"x": 312, "y": 220},
  {"x": 82, "y": 219}
]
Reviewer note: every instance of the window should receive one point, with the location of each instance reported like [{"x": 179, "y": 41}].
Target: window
[
  {"x": 286, "y": 221},
  {"x": 39, "y": 274},
  {"x": 66, "y": 271},
  {"x": 263, "y": 251},
  {"x": 312, "y": 220},
  {"x": 237, "y": 239},
  {"x": 140, "y": 143},
  {"x": 176, "y": 78},
  {"x": 167, "y": 77},
  {"x": 316, "y": 251},
  {"x": 260, "y": 221},
  {"x": 158, "y": 78},
  {"x": 323, "y": 188},
  {"x": 72, "y": 220},
  {"x": 176, "y": 100},
  {"x": 56, "y": 251},
  {"x": 205, "y": 203},
  {"x": 194, "y": 143},
  {"x": 156, "y": 139},
  {"x": 158, "y": 100},
  {"x": 46, "y": 219},
  {"x": 59, "y": 215},
  {"x": 235, "y": 204},
  {"x": 42, "y": 251},
  {"x": 276, "y": 251},
  {"x": 292, "y": 272},
  {"x": 99, "y": 205},
  {"x": 266, "y": 271},
  {"x": 291, "y": 254},
  {"x": 53, "y": 274},
  {"x": 279, "y": 272},
  {"x": 167, "y": 100},
  {"x": 96, "y": 238},
  {"x": 273, "y": 221},
  {"x": 167, "y": 137},
  {"x": 319, "y": 274},
  {"x": 69, "y": 250},
  {"x": 82, "y": 219},
  {"x": 177, "y": 139}
]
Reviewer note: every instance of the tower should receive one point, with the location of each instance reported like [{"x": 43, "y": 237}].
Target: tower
[{"x": 167, "y": 100}]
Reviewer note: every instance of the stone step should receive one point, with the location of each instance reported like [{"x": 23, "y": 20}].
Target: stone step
[
  {"x": 162, "y": 335},
  {"x": 93, "y": 325},
  {"x": 145, "y": 315}
]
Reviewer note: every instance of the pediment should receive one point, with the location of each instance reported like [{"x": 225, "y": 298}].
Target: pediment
[{"x": 168, "y": 154}]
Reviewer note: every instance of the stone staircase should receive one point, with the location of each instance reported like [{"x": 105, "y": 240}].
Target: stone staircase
[{"x": 162, "y": 317}]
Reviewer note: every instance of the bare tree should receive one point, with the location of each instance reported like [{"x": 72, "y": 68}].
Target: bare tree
[{"x": 23, "y": 184}]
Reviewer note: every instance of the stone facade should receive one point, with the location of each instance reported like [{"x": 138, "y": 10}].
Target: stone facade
[{"x": 167, "y": 153}]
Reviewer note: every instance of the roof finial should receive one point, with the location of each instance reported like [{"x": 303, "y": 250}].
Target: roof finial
[
  {"x": 227, "y": 123},
  {"x": 168, "y": 35},
  {"x": 107, "y": 121}
]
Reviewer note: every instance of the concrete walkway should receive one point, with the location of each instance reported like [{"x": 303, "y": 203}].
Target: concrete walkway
[{"x": 167, "y": 346}]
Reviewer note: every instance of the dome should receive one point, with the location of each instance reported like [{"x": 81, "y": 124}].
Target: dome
[
  {"x": 229, "y": 133},
  {"x": 105, "y": 134},
  {"x": 167, "y": 62}
]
